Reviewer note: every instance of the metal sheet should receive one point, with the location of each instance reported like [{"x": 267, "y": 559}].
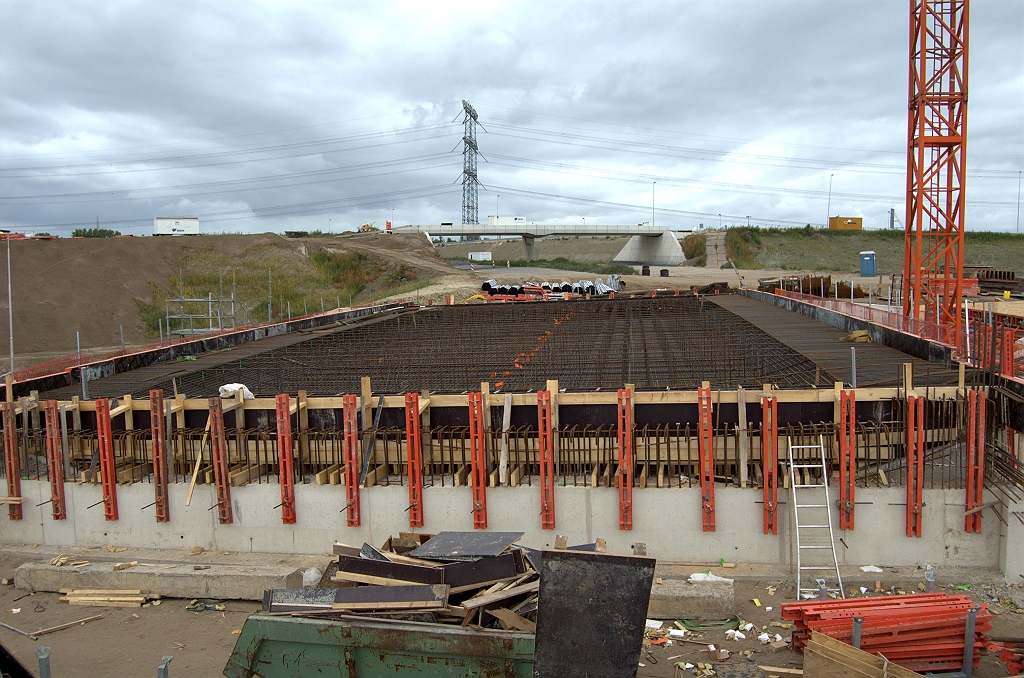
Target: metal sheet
[
  {"x": 467, "y": 544},
  {"x": 591, "y": 612}
]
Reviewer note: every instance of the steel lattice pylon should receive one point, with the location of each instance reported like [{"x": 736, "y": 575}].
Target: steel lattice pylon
[
  {"x": 470, "y": 211},
  {"x": 936, "y": 163}
]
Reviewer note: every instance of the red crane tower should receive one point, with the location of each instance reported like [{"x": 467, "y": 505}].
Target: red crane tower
[{"x": 936, "y": 164}]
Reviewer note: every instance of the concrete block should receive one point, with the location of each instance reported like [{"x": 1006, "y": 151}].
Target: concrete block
[
  {"x": 702, "y": 600},
  {"x": 222, "y": 582}
]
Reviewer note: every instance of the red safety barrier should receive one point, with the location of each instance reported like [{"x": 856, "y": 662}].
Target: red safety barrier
[
  {"x": 847, "y": 435},
  {"x": 157, "y": 425},
  {"x": 11, "y": 460},
  {"x": 108, "y": 470},
  {"x": 546, "y": 452},
  {"x": 348, "y": 404},
  {"x": 975, "y": 480},
  {"x": 285, "y": 460},
  {"x": 478, "y": 466},
  {"x": 920, "y": 632},
  {"x": 915, "y": 465},
  {"x": 706, "y": 449},
  {"x": 55, "y": 460},
  {"x": 624, "y": 474},
  {"x": 770, "y": 462},
  {"x": 219, "y": 453},
  {"x": 414, "y": 450}
]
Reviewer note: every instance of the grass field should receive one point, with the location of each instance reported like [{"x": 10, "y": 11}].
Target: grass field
[{"x": 823, "y": 250}]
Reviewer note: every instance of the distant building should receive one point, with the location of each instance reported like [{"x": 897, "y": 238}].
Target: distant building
[
  {"x": 846, "y": 223},
  {"x": 176, "y": 226}
]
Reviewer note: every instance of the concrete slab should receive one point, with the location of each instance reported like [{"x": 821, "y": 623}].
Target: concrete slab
[
  {"x": 701, "y": 600},
  {"x": 222, "y": 582}
]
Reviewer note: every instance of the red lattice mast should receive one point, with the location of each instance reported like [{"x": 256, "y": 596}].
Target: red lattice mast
[{"x": 936, "y": 164}]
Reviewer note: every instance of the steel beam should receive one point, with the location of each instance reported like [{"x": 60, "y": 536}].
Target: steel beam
[
  {"x": 915, "y": 465},
  {"x": 478, "y": 465},
  {"x": 706, "y": 450},
  {"x": 108, "y": 469},
  {"x": 546, "y": 454},
  {"x": 847, "y": 435},
  {"x": 770, "y": 462},
  {"x": 975, "y": 477},
  {"x": 285, "y": 460},
  {"x": 157, "y": 425},
  {"x": 349, "y": 410},
  {"x": 414, "y": 453},
  {"x": 55, "y": 460},
  {"x": 219, "y": 454}
]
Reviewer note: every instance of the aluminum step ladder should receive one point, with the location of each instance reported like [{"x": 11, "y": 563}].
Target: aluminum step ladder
[{"x": 812, "y": 517}]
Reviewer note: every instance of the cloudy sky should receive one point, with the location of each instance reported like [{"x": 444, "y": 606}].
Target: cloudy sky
[{"x": 273, "y": 116}]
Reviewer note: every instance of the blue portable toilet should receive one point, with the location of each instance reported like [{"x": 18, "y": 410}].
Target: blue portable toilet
[{"x": 867, "y": 264}]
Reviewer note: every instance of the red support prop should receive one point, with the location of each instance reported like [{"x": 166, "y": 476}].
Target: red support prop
[
  {"x": 975, "y": 459},
  {"x": 219, "y": 453},
  {"x": 707, "y": 460},
  {"x": 158, "y": 424},
  {"x": 847, "y": 435},
  {"x": 477, "y": 443},
  {"x": 414, "y": 451},
  {"x": 12, "y": 461},
  {"x": 348, "y": 404},
  {"x": 770, "y": 462},
  {"x": 1006, "y": 346},
  {"x": 108, "y": 470},
  {"x": 286, "y": 463},
  {"x": 915, "y": 465},
  {"x": 624, "y": 475},
  {"x": 546, "y": 453},
  {"x": 55, "y": 460}
]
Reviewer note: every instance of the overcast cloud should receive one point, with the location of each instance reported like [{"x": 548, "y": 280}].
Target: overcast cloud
[{"x": 274, "y": 116}]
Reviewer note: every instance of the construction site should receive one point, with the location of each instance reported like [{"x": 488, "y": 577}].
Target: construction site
[{"x": 698, "y": 473}]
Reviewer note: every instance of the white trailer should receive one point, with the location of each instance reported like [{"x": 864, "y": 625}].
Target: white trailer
[
  {"x": 480, "y": 256},
  {"x": 175, "y": 225}
]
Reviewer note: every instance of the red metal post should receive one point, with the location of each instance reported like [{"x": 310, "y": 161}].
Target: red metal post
[
  {"x": 108, "y": 469},
  {"x": 12, "y": 461},
  {"x": 915, "y": 465},
  {"x": 975, "y": 459},
  {"x": 847, "y": 435},
  {"x": 157, "y": 424},
  {"x": 219, "y": 453},
  {"x": 770, "y": 462},
  {"x": 414, "y": 452},
  {"x": 285, "y": 461},
  {"x": 546, "y": 452},
  {"x": 477, "y": 443},
  {"x": 936, "y": 163},
  {"x": 1006, "y": 345},
  {"x": 624, "y": 475},
  {"x": 348, "y": 404},
  {"x": 707, "y": 460},
  {"x": 55, "y": 460}
]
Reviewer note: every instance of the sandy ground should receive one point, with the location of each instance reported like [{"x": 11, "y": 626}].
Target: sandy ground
[{"x": 131, "y": 641}]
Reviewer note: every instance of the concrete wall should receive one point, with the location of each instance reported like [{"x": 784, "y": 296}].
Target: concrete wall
[{"x": 666, "y": 520}]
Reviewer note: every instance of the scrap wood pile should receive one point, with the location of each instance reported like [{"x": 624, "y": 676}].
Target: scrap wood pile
[
  {"x": 108, "y": 597},
  {"x": 918, "y": 632},
  {"x": 474, "y": 579}
]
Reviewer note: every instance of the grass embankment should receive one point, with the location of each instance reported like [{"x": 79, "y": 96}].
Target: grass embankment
[
  {"x": 304, "y": 283},
  {"x": 695, "y": 249},
  {"x": 811, "y": 249},
  {"x": 563, "y": 264}
]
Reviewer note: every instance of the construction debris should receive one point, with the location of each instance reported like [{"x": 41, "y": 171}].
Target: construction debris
[{"x": 107, "y": 597}]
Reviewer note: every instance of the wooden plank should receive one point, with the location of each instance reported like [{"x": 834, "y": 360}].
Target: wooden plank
[
  {"x": 781, "y": 670},
  {"x": 247, "y": 475},
  {"x": 88, "y": 602},
  {"x": 461, "y": 476},
  {"x": 336, "y": 477},
  {"x": 479, "y": 601},
  {"x": 741, "y": 432},
  {"x": 11, "y": 500},
  {"x": 376, "y": 474},
  {"x": 513, "y": 620},
  {"x": 370, "y": 579},
  {"x": 825, "y": 656},
  {"x": 391, "y": 570},
  {"x": 61, "y": 627},
  {"x": 391, "y": 598}
]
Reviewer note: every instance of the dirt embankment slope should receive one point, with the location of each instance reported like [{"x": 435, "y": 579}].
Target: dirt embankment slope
[{"x": 93, "y": 286}]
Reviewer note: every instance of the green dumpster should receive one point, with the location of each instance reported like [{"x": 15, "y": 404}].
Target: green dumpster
[{"x": 362, "y": 647}]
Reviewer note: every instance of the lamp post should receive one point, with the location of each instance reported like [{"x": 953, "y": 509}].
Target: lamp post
[
  {"x": 328, "y": 225},
  {"x": 1018, "y": 202},
  {"x": 496, "y": 212},
  {"x": 828, "y": 210},
  {"x": 719, "y": 222},
  {"x": 652, "y": 203}
]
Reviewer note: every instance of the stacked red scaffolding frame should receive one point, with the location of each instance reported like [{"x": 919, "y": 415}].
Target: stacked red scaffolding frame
[{"x": 920, "y": 632}]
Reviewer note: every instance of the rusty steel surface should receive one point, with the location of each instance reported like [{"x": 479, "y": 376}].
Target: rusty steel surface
[{"x": 661, "y": 343}]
